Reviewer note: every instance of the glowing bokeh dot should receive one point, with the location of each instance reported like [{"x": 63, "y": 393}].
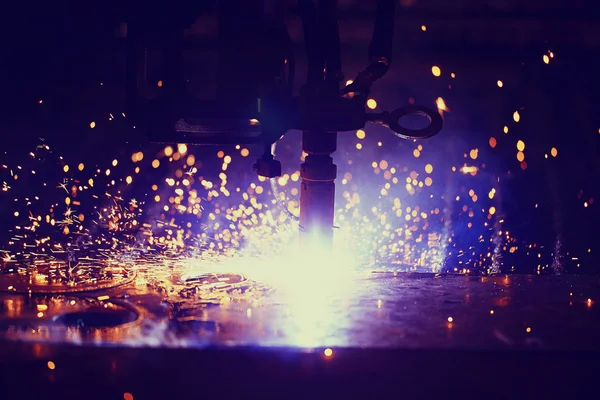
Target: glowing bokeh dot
[
  {"x": 328, "y": 352},
  {"x": 441, "y": 104},
  {"x": 51, "y": 365},
  {"x": 127, "y": 396},
  {"x": 436, "y": 71},
  {"x": 372, "y": 104}
]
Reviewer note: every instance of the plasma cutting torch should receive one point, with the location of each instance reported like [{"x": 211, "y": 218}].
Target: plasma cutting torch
[{"x": 256, "y": 104}]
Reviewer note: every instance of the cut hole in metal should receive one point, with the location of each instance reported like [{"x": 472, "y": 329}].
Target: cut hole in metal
[
  {"x": 53, "y": 277},
  {"x": 213, "y": 279},
  {"x": 97, "y": 317}
]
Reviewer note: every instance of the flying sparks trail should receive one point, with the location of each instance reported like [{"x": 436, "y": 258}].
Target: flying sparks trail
[
  {"x": 176, "y": 245},
  {"x": 405, "y": 226},
  {"x": 143, "y": 211}
]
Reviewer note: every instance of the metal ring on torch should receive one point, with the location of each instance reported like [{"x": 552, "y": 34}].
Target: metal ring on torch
[{"x": 392, "y": 120}]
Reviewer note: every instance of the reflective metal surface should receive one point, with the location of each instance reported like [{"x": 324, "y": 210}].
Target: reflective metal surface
[{"x": 181, "y": 306}]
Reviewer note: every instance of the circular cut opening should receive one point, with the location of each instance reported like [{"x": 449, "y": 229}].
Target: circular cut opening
[
  {"x": 213, "y": 279},
  {"x": 97, "y": 317},
  {"x": 58, "y": 277}
]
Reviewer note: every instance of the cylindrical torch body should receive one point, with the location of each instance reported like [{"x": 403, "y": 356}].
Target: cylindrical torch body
[{"x": 317, "y": 189}]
